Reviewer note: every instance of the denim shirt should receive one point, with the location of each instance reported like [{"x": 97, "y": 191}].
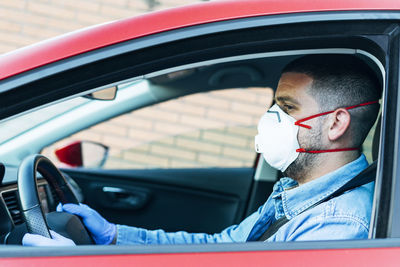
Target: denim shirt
[{"x": 344, "y": 217}]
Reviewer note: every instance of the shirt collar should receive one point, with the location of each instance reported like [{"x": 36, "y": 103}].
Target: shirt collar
[{"x": 294, "y": 199}]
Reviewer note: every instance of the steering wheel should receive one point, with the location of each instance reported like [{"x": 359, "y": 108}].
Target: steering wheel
[{"x": 32, "y": 211}]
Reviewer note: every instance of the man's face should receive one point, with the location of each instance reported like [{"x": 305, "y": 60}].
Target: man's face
[{"x": 293, "y": 98}]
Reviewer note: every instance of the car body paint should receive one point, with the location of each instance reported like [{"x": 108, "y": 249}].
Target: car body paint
[{"x": 329, "y": 257}]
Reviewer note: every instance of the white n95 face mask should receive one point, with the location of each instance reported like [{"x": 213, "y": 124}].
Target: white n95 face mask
[{"x": 277, "y": 138}]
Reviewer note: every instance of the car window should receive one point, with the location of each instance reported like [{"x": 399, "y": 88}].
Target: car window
[
  {"x": 368, "y": 143},
  {"x": 213, "y": 129},
  {"x": 16, "y": 126}
]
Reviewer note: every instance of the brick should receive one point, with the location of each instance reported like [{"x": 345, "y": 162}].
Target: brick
[
  {"x": 138, "y": 5},
  {"x": 247, "y": 108},
  {"x": 166, "y": 141},
  {"x": 49, "y": 10},
  {"x": 8, "y": 26},
  {"x": 115, "y": 153},
  {"x": 172, "y": 152},
  {"x": 224, "y": 139},
  {"x": 119, "y": 142},
  {"x": 200, "y": 122},
  {"x": 146, "y": 158},
  {"x": 198, "y": 145},
  {"x": 115, "y": 163},
  {"x": 109, "y": 128},
  {"x": 242, "y": 154},
  {"x": 193, "y": 135},
  {"x": 121, "y": 3},
  {"x": 90, "y": 19},
  {"x": 142, "y": 147},
  {"x": 11, "y": 14},
  {"x": 22, "y": 17},
  {"x": 216, "y": 161},
  {"x": 87, "y": 135},
  {"x": 265, "y": 97},
  {"x": 207, "y": 100},
  {"x": 18, "y": 4},
  {"x": 157, "y": 114},
  {"x": 235, "y": 94},
  {"x": 184, "y": 164},
  {"x": 182, "y": 107},
  {"x": 177, "y": 2},
  {"x": 255, "y": 120},
  {"x": 171, "y": 128},
  {"x": 246, "y": 131},
  {"x": 116, "y": 12},
  {"x": 63, "y": 26},
  {"x": 259, "y": 95},
  {"x": 228, "y": 117},
  {"x": 4, "y": 48},
  {"x": 129, "y": 120},
  {"x": 19, "y": 40},
  {"x": 48, "y": 152},
  {"x": 144, "y": 135},
  {"x": 81, "y": 5},
  {"x": 38, "y": 32},
  {"x": 173, "y": 3}
]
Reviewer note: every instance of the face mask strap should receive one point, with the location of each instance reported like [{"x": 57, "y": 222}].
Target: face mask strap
[
  {"x": 300, "y": 122},
  {"x": 303, "y": 150}
]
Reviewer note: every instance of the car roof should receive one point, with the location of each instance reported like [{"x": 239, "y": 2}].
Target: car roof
[{"x": 92, "y": 38}]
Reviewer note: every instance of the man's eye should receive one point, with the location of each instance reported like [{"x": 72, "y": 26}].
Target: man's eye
[{"x": 287, "y": 108}]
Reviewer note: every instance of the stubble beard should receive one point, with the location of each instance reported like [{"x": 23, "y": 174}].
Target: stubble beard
[{"x": 301, "y": 168}]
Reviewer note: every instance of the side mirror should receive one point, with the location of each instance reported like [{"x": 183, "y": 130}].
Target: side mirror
[{"x": 83, "y": 154}]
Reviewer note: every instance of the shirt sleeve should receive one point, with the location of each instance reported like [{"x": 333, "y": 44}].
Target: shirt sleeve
[
  {"x": 325, "y": 228},
  {"x": 128, "y": 235}
]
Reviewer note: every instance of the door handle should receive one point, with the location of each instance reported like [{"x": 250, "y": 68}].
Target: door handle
[{"x": 121, "y": 198}]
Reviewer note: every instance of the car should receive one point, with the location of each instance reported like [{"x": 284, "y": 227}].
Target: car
[{"x": 182, "y": 89}]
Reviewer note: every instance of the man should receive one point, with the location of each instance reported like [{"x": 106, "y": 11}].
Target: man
[{"x": 325, "y": 107}]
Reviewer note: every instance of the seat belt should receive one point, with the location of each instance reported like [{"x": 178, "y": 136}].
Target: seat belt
[{"x": 366, "y": 176}]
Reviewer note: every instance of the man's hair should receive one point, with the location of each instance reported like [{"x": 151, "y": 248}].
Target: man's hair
[{"x": 341, "y": 81}]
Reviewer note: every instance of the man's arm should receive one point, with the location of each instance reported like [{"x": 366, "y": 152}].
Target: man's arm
[{"x": 128, "y": 235}]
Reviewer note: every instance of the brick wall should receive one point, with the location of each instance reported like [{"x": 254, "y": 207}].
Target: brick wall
[{"x": 24, "y": 22}]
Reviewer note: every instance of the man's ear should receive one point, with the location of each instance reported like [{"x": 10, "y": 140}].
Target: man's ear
[{"x": 339, "y": 124}]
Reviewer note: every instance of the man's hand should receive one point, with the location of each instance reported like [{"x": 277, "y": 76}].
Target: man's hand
[
  {"x": 101, "y": 230},
  {"x": 38, "y": 240}
]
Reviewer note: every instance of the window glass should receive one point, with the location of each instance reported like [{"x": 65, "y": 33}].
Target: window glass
[
  {"x": 16, "y": 126},
  {"x": 213, "y": 129}
]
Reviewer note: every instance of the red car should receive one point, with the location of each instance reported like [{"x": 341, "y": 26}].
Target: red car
[{"x": 167, "y": 55}]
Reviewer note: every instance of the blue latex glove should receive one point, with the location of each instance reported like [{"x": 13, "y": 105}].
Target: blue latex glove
[
  {"x": 38, "y": 240},
  {"x": 101, "y": 230}
]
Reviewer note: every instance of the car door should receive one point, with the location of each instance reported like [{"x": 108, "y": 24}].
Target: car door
[{"x": 371, "y": 35}]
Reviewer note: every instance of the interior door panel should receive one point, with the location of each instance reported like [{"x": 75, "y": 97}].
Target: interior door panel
[{"x": 194, "y": 200}]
